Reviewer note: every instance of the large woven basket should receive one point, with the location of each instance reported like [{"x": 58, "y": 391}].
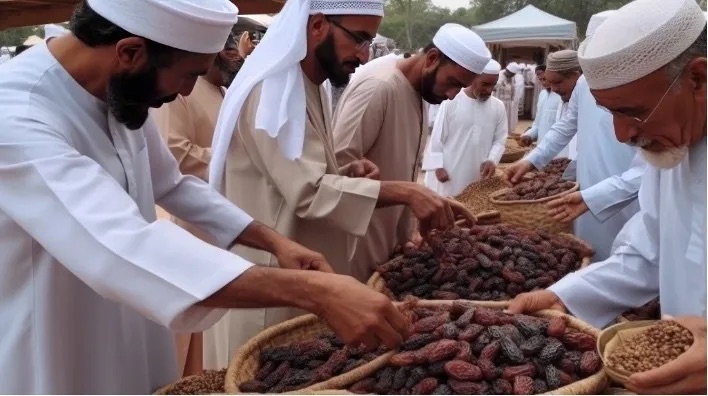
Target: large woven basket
[
  {"x": 245, "y": 363},
  {"x": 378, "y": 283},
  {"x": 531, "y": 213},
  {"x": 592, "y": 385}
]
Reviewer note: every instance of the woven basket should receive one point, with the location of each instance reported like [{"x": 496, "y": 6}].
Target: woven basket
[
  {"x": 592, "y": 385},
  {"x": 513, "y": 155},
  {"x": 378, "y": 283},
  {"x": 245, "y": 363},
  {"x": 531, "y": 213},
  {"x": 610, "y": 338}
]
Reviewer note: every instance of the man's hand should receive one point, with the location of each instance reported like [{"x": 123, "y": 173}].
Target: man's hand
[
  {"x": 567, "y": 208},
  {"x": 291, "y": 255},
  {"x": 516, "y": 171},
  {"x": 535, "y": 301},
  {"x": 487, "y": 169},
  {"x": 685, "y": 375},
  {"x": 415, "y": 241},
  {"x": 431, "y": 210},
  {"x": 442, "y": 175},
  {"x": 358, "y": 314},
  {"x": 363, "y": 168},
  {"x": 525, "y": 141}
]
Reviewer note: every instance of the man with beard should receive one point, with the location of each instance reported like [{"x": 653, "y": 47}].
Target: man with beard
[
  {"x": 562, "y": 74},
  {"x": 546, "y": 111},
  {"x": 382, "y": 117},
  {"x": 187, "y": 126},
  {"x": 646, "y": 65},
  {"x": 273, "y": 153},
  {"x": 609, "y": 173},
  {"x": 468, "y": 137},
  {"x": 90, "y": 279}
]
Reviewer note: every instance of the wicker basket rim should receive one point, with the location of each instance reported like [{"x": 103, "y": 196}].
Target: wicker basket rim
[{"x": 493, "y": 196}]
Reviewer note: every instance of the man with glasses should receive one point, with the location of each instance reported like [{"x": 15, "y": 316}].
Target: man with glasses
[
  {"x": 273, "y": 153},
  {"x": 658, "y": 104},
  {"x": 608, "y": 172},
  {"x": 382, "y": 117}
]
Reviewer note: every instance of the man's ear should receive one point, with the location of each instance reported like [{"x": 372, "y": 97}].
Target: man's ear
[
  {"x": 697, "y": 70},
  {"x": 432, "y": 59},
  {"x": 318, "y": 27},
  {"x": 131, "y": 53}
]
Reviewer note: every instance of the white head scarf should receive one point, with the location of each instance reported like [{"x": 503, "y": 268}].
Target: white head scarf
[
  {"x": 198, "y": 26},
  {"x": 463, "y": 46},
  {"x": 639, "y": 39},
  {"x": 493, "y": 67},
  {"x": 276, "y": 63}
]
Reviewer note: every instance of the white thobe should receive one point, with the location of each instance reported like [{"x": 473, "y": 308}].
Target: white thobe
[
  {"x": 519, "y": 93},
  {"x": 548, "y": 112},
  {"x": 432, "y": 113},
  {"x": 660, "y": 252},
  {"x": 571, "y": 150},
  {"x": 467, "y": 132},
  {"x": 90, "y": 279},
  {"x": 601, "y": 159}
]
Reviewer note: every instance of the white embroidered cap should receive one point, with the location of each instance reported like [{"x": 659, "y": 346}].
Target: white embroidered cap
[
  {"x": 513, "y": 67},
  {"x": 463, "y": 46},
  {"x": 493, "y": 67},
  {"x": 198, "y": 26},
  {"x": 347, "y": 7},
  {"x": 596, "y": 20},
  {"x": 638, "y": 39}
]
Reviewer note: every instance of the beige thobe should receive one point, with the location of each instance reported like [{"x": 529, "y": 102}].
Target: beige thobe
[
  {"x": 306, "y": 200},
  {"x": 187, "y": 125},
  {"x": 380, "y": 117}
]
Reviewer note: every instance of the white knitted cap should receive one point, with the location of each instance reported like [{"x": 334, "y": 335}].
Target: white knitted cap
[
  {"x": 198, "y": 26},
  {"x": 596, "y": 20},
  {"x": 639, "y": 39},
  {"x": 347, "y": 7},
  {"x": 463, "y": 46},
  {"x": 493, "y": 67},
  {"x": 513, "y": 67}
]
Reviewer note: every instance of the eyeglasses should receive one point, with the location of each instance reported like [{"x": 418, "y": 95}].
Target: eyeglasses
[
  {"x": 361, "y": 42},
  {"x": 637, "y": 119}
]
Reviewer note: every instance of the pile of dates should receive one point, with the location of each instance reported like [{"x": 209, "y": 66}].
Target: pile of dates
[
  {"x": 539, "y": 187},
  {"x": 556, "y": 166},
  {"x": 469, "y": 350},
  {"x": 648, "y": 311},
  {"x": 289, "y": 368},
  {"x": 486, "y": 263}
]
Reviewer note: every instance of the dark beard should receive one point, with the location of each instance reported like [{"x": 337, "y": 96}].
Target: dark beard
[
  {"x": 427, "y": 87},
  {"x": 326, "y": 55},
  {"x": 228, "y": 69},
  {"x": 130, "y": 96}
]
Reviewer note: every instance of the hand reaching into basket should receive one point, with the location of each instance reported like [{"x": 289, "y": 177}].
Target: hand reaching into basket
[
  {"x": 536, "y": 301},
  {"x": 516, "y": 171},
  {"x": 487, "y": 169},
  {"x": 567, "y": 208},
  {"x": 359, "y": 315},
  {"x": 526, "y": 141},
  {"x": 685, "y": 375}
]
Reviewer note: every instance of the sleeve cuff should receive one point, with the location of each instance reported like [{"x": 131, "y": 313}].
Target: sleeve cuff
[
  {"x": 536, "y": 159},
  {"x": 581, "y": 301},
  {"x": 432, "y": 161},
  {"x": 235, "y": 221}
]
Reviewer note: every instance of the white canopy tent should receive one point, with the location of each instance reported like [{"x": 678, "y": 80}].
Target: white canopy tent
[{"x": 529, "y": 27}]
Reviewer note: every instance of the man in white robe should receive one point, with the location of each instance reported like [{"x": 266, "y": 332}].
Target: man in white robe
[
  {"x": 658, "y": 104},
  {"x": 546, "y": 112},
  {"x": 382, "y": 118},
  {"x": 273, "y": 153},
  {"x": 91, "y": 282},
  {"x": 468, "y": 138},
  {"x": 510, "y": 89},
  {"x": 609, "y": 177}
]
